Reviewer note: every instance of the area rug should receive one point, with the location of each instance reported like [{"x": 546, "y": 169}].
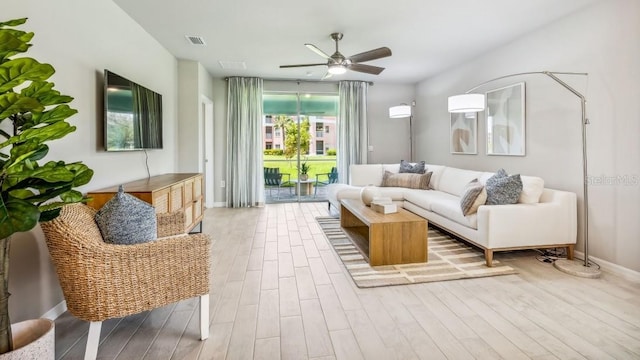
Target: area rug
[{"x": 449, "y": 259}]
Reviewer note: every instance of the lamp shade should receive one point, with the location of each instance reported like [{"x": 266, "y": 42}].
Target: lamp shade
[
  {"x": 400, "y": 111},
  {"x": 466, "y": 103}
]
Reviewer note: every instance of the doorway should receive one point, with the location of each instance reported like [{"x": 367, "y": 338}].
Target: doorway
[{"x": 299, "y": 145}]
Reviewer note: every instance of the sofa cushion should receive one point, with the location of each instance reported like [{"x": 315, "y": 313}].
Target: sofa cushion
[
  {"x": 437, "y": 171},
  {"x": 532, "y": 187},
  {"x": 127, "y": 220},
  {"x": 453, "y": 180},
  {"x": 503, "y": 189},
  {"x": 407, "y": 180},
  {"x": 474, "y": 195},
  {"x": 406, "y": 167},
  {"x": 451, "y": 210},
  {"x": 366, "y": 174},
  {"x": 425, "y": 199}
]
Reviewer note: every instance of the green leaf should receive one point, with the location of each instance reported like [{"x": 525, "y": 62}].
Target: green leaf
[
  {"x": 60, "y": 112},
  {"x": 41, "y": 134},
  {"x": 14, "y": 22},
  {"x": 49, "y": 215},
  {"x": 23, "y": 194},
  {"x": 82, "y": 173},
  {"x": 12, "y": 103},
  {"x": 11, "y": 44},
  {"x": 71, "y": 196},
  {"x": 15, "y": 72},
  {"x": 45, "y": 94},
  {"x": 17, "y": 215},
  {"x": 28, "y": 151}
]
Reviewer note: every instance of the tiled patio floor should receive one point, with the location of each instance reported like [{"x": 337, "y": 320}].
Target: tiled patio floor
[{"x": 288, "y": 194}]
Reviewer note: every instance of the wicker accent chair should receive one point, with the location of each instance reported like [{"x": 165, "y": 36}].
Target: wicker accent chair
[{"x": 101, "y": 281}]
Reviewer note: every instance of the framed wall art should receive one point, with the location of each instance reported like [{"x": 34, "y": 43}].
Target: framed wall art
[
  {"x": 464, "y": 133},
  {"x": 505, "y": 120}
]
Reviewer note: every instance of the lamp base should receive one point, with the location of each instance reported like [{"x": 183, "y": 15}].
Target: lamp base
[{"x": 577, "y": 268}]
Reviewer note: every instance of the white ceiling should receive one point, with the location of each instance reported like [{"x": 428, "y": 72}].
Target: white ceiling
[{"x": 425, "y": 36}]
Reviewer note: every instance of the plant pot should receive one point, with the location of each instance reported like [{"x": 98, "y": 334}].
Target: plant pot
[
  {"x": 304, "y": 177},
  {"x": 32, "y": 339}
]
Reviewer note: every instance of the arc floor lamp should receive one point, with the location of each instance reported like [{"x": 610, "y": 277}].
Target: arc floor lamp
[{"x": 472, "y": 102}]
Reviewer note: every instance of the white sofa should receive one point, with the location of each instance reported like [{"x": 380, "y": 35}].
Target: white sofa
[{"x": 542, "y": 218}]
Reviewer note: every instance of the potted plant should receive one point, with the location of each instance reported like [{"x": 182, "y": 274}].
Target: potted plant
[
  {"x": 29, "y": 192},
  {"x": 304, "y": 170}
]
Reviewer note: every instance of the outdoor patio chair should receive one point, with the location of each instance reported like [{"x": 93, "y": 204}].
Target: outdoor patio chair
[
  {"x": 273, "y": 178},
  {"x": 332, "y": 178}
]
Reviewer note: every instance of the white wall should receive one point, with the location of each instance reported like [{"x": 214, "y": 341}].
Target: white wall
[
  {"x": 603, "y": 40},
  {"x": 81, "y": 39}
]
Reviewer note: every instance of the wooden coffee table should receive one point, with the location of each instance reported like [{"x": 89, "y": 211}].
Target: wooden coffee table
[{"x": 398, "y": 238}]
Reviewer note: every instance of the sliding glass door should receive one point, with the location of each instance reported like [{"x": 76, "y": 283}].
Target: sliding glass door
[{"x": 299, "y": 144}]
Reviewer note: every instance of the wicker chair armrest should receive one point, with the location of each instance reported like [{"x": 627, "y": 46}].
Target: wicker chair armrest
[
  {"x": 171, "y": 223},
  {"x": 106, "y": 281}
]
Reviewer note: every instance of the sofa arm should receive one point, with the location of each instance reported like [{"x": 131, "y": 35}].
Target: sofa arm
[{"x": 525, "y": 225}]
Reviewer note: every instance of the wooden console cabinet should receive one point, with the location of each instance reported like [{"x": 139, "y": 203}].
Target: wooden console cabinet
[{"x": 167, "y": 193}]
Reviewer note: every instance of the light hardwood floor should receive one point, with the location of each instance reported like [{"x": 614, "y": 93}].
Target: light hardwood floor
[{"x": 278, "y": 291}]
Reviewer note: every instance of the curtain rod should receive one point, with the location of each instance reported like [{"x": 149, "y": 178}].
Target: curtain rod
[{"x": 303, "y": 80}]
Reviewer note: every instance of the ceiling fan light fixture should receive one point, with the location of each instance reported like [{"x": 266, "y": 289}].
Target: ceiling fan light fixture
[{"x": 337, "y": 69}]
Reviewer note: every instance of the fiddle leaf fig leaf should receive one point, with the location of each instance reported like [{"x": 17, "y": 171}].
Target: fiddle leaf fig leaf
[
  {"x": 56, "y": 114},
  {"x": 12, "y": 103},
  {"x": 41, "y": 134},
  {"x": 10, "y": 44},
  {"x": 16, "y": 71},
  {"x": 28, "y": 151},
  {"x": 71, "y": 196},
  {"x": 23, "y": 194},
  {"x": 14, "y": 22},
  {"x": 45, "y": 94},
  {"x": 49, "y": 215},
  {"x": 17, "y": 215},
  {"x": 82, "y": 173}
]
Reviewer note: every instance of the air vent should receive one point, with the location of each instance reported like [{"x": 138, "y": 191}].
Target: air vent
[
  {"x": 195, "y": 40},
  {"x": 233, "y": 65}
]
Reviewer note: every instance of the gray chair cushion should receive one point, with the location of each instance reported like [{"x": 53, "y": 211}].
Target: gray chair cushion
[{"x": 127, "y": 220}]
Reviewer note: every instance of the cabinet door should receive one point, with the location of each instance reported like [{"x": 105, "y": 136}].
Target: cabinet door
[
  {"x": 188, "y": 191},
  {"x": 160, "y": 201},
  {"x": 198, "y": 206},
  {"x": 176, "y": 201}
]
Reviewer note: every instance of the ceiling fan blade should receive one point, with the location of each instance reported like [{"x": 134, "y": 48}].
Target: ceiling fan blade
[
  {"x": 327, "y": 75},
  {"x": 371, "y": 55},
  {"x": 369, "y": 69},
  {"x": 316, "y": 50},
  {"x": 301, "y": 65}
]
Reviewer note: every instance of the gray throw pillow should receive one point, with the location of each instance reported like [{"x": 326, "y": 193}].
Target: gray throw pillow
[
  {"x": 418, "y": 168},
  {"x": 127, "y": 220},
  {"x": 503, "y": 189},
  {"x": 474, "y": 195}
]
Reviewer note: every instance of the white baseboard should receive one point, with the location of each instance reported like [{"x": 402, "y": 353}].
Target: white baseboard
[
  {"x": 612, "y": 268},
  {"x": 56, "y": 311}
]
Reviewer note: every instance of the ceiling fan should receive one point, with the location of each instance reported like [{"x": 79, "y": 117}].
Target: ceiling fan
[{"x": 338, "y": 63}]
